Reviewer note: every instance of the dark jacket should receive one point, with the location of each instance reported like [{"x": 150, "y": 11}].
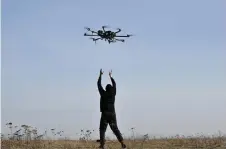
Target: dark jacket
[{"x": 107, "y": 98}]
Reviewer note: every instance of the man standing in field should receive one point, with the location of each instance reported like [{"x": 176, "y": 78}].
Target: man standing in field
[{"x": 107, "y": 109}]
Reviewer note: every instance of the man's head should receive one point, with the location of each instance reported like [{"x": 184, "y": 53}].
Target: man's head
[{"x": 108, "y": 87}]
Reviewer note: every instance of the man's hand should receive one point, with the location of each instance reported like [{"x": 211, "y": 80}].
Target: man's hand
[
  {"x": 110, "y": 73},
  {"x": 101, "y": 72}
]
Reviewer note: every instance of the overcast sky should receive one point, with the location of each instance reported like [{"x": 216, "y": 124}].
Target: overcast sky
[{"x": 171, "y": 76}]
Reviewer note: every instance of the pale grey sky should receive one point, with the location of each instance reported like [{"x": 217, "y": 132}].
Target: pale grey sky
[{"x": 171, "y": 76}]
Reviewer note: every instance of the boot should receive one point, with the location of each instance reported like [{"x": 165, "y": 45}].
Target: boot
[
  {"x": 101, "y": 147},
  {"x": 123, "y": 145}
]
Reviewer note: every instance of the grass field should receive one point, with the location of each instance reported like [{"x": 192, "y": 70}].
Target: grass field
[
  {"x": 27, "y": 137},
  {"x": 204, "y": 143}
]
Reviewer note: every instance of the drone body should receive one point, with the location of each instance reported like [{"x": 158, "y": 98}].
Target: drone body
[{"x": 108, "y": 35}]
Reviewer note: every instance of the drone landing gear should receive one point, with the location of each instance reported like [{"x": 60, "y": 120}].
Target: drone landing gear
[{"x": 109, "y": 41}]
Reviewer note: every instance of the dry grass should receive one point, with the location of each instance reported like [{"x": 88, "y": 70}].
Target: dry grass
[
  {"x": 27, "y": 137},
  {"x": 206, "y": 143}
]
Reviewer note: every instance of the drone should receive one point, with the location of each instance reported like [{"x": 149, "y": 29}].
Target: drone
[{"x": 106, "y": 35}]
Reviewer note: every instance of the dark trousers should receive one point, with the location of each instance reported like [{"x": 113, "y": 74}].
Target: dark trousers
[{"x": 109, "y": 118}]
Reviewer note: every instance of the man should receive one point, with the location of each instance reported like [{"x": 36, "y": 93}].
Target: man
[{"x": 107, "y": 109}]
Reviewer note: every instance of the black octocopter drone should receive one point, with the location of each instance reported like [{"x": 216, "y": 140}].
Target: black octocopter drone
[{"x": 106, "y": 35}]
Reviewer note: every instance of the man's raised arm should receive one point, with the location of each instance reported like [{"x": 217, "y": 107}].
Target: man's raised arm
[
  {"x": 100, "y": 88},
  {"x": 113, "y": 82}
]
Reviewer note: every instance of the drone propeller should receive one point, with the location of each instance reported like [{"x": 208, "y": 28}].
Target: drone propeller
[
  {"x": 105, "y": 26},
  {"x": 87, "y": 28},
  {"x": 119, "y": 29}
]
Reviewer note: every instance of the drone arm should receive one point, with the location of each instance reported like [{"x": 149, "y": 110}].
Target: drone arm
[
  {"x": 89, "y": 35},
  {"x": 123, "y": 36},
  {"x": 94, "y": 32},
  {"x": 89, "y": 30},
  {"x": 95, "y": 39}
]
